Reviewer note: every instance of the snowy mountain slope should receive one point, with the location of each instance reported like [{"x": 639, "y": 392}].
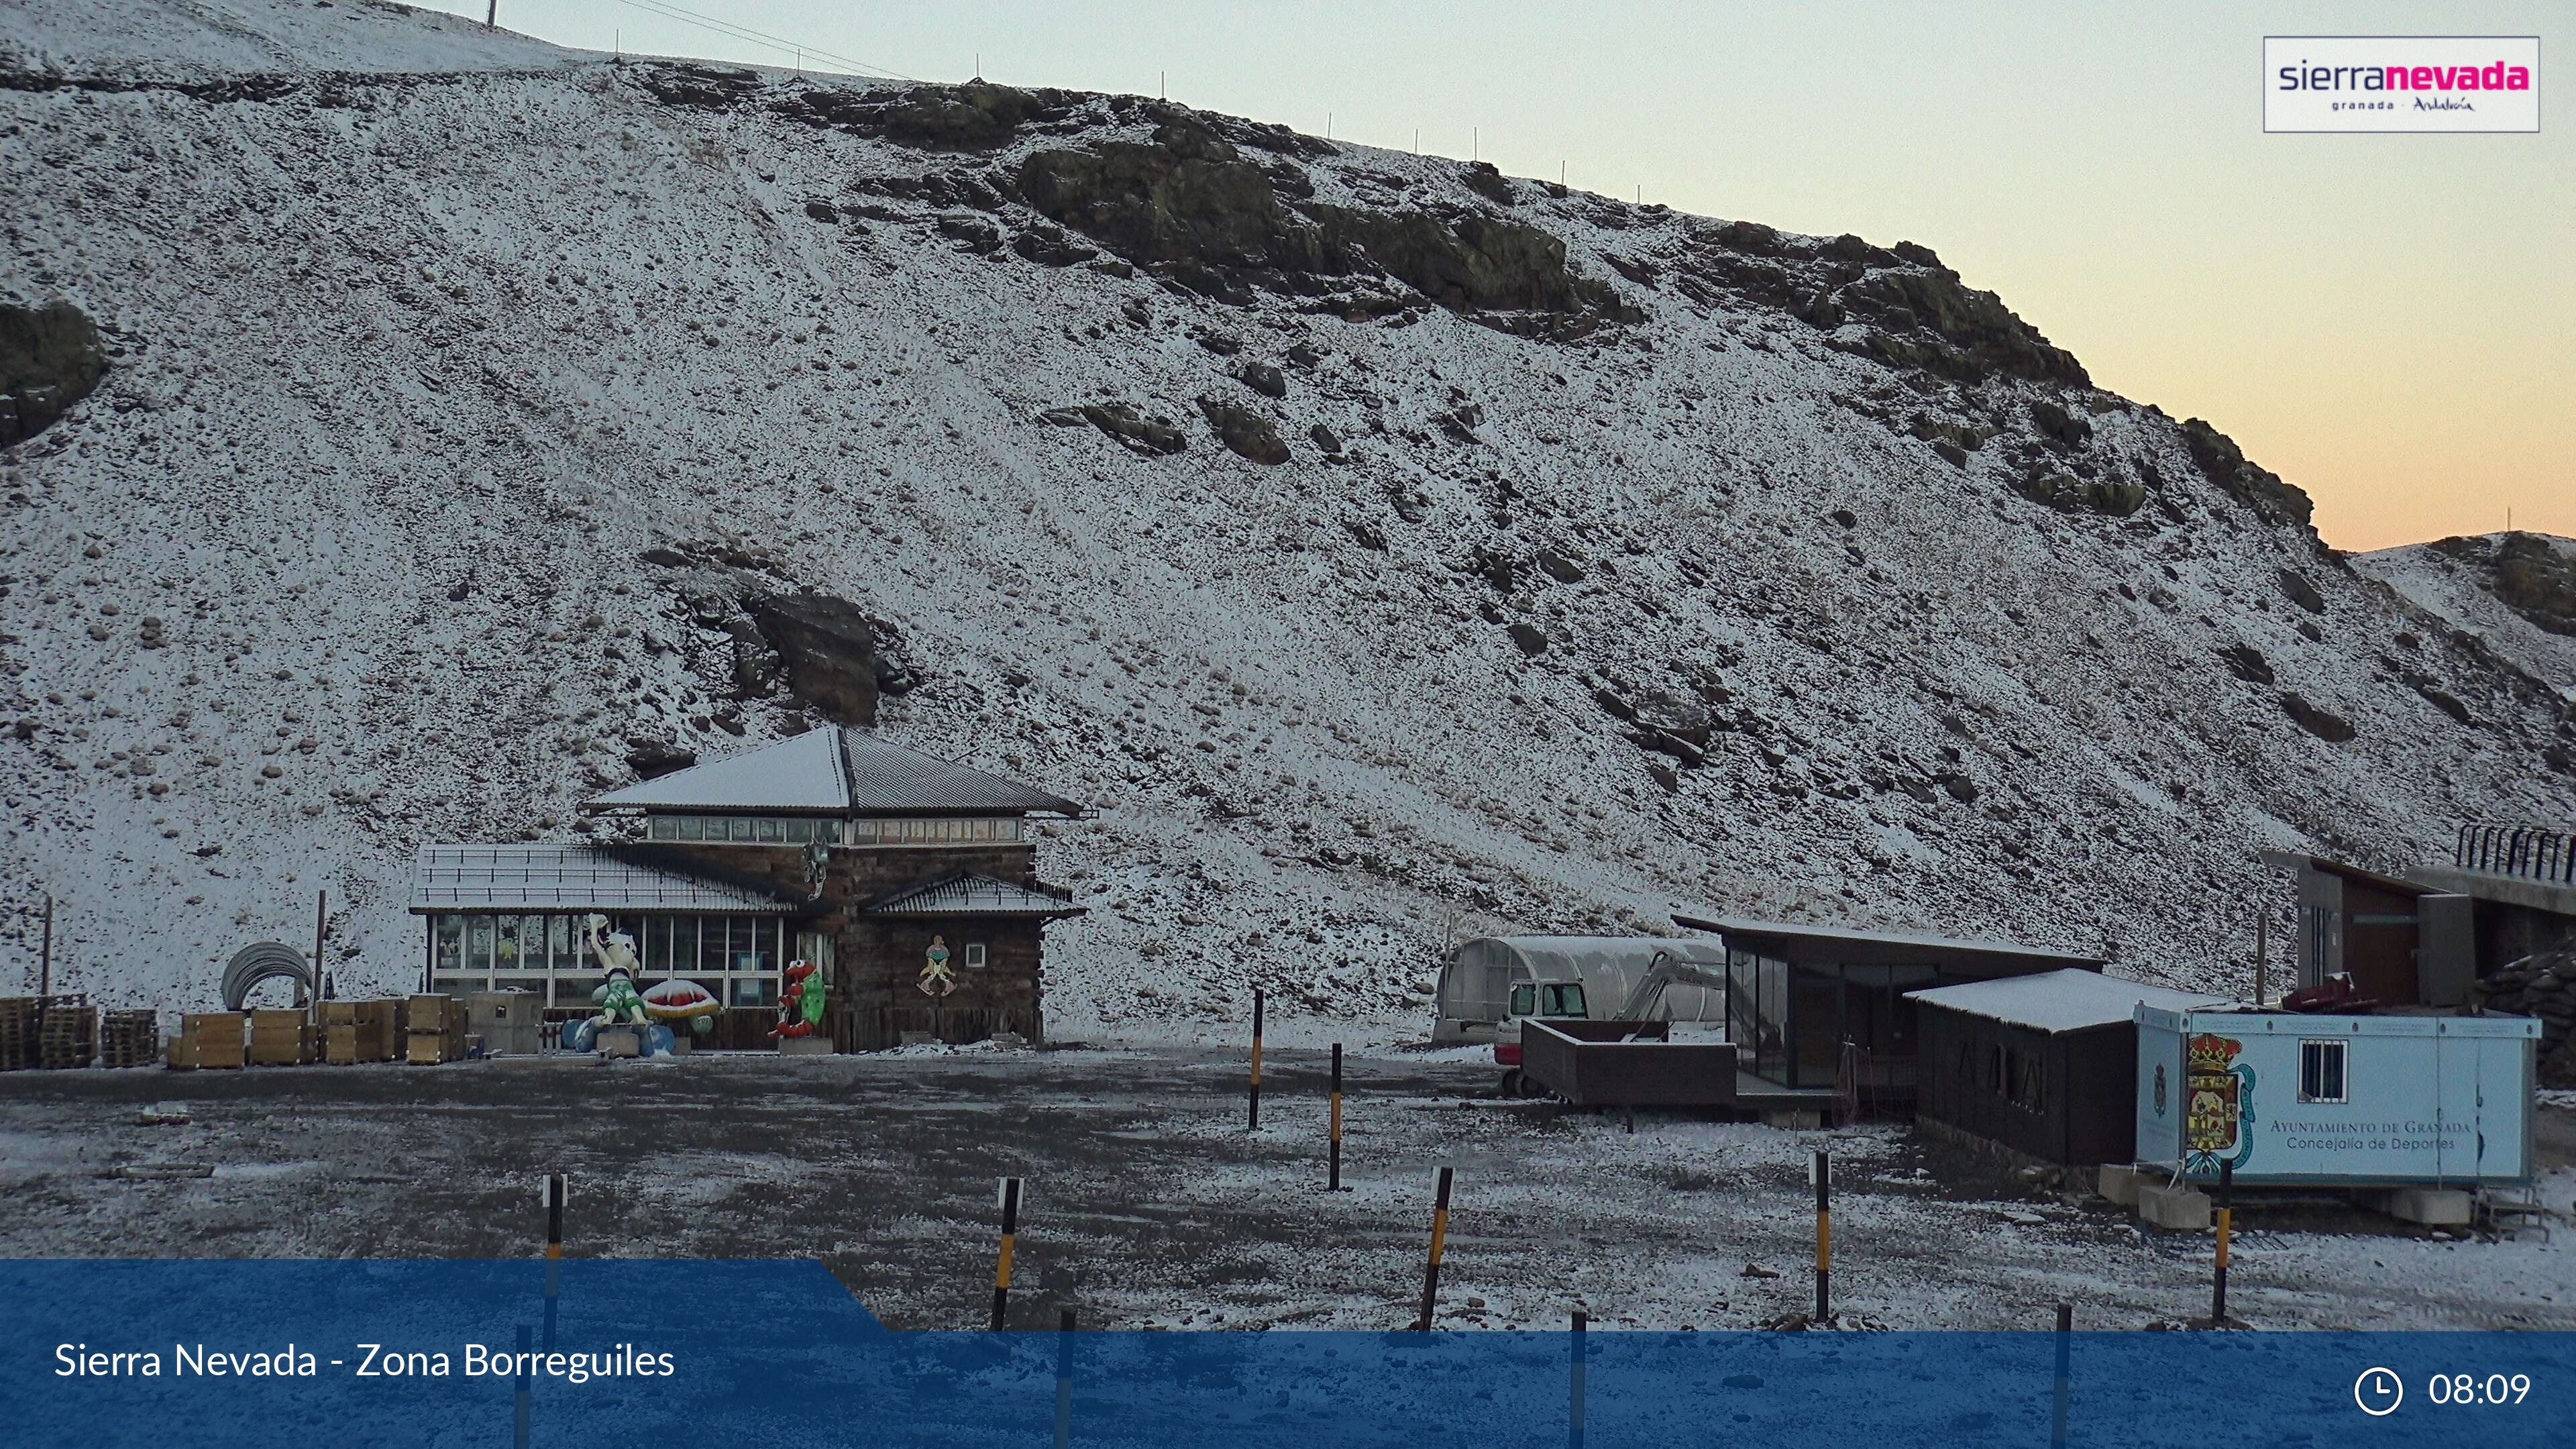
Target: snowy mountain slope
[
  {"x": 1850, "y": 598},
  {"x": 2516, "y": 591}
]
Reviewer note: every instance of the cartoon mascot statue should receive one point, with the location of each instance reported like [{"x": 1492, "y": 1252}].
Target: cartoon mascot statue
[
  {"x": 800, "y": 1003},
  {"x": 620, "y": 1004}
]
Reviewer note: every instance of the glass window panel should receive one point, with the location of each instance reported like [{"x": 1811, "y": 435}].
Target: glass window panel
[
  {"x": 755, "y": 991},
  {"x": 657, "y": 947},
  {"x": 711, "y": 944},
  {"x": 859, "y": 832},
  {"x": 768, "y": 831},
  {"x": 800, "y": 832},
  {"x": 559, "y": 936},
  {"x": 450, "y": 952},
  {"x": 455, "y": 985},
  {"x": 478, "y": 943},
  {"x": 572, "y": 993},
  {"x": 691, "y": 828},
  {"x": 738, "y": 828},
  {"x": 662, "y": 827},
  {"x": 974, "y": 953}
]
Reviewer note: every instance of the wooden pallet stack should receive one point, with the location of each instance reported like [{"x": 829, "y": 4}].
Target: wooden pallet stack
[
  {"x": 361, "y": 1031},
  {"x": 209, "y": 1039},
  {"x": 69, "y": 1036},
  {"x": 129, "y": 1038},
  {"x": 281, "y": 1037},
  {"x": 19, "y": 1048},
  {"x": 434, "y": 1030}
]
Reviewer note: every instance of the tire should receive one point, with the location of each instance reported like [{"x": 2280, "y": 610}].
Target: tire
[{"x": 1514, "y": 1085}]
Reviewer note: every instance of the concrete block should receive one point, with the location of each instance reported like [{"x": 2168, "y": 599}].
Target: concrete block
[
  {"x": 619, "y": 1041},
  {"x": 2438, "y": 1207},
  {"x": 2119, "y": 1183},
  {"x": 804, "y": 1046},
  {"x": 2175, "y": 1209}
]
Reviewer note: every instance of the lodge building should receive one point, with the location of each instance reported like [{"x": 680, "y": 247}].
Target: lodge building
[{"x": 833, "y": 847}]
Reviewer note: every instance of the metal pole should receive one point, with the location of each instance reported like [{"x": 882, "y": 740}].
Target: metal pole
[
  {"x": 1333, "y": 1181},
  {"x": 2262, "y": 950},
  {"x": 1064, "y": 1381},
  {"x": 1010, "y": 1240},
  {"x": 45, "y": 959},
  {"x": 1822, "y": 1171},
  {"x": 1257, "y": 1003},
  {"x": 1439, "y": 1242},
  {"x": 491, "y": 13},
  {"x": 557, "y": 1189},
  {"x": 311, "y": 991},
  {"x": 2226, "y": 1221},
  {"x": 519, "y": 1418},
  {"x": 1574, "y": 1389},
  {"x": 2065, "y": 1337}
]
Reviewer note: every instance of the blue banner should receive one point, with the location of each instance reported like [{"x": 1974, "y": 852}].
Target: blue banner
[{"x": 208, "y": 1355}]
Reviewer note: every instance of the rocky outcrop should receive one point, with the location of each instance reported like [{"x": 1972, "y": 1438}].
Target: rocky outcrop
[
  {"x": 2532, "y": 574},
  {"x": 2260, "y": 489},
  {"x": 976, "y": 116},
  {"x": 1192, "y": 205},
  {"x": 1151, "y": 437},
  {"x": 1244, "y": 431},
  {"x": 2542, "y": 984},
  {"x": 49, "y": 359},
  {"x": 833, "y": 654},
  {"x": 2324, "y": 723}
]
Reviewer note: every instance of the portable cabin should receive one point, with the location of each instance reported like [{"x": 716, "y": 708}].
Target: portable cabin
[
  {"x": 1477, "y": 980},
  {"x": 2340, "y": 1101},
  {"x": 1816, "y": 1007},
  {"x": 2043, "y": 1067}
]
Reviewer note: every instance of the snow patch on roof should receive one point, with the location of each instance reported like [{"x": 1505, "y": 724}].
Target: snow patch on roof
[
  {"x": 564, "y": 878},
  {"x": 2068, "y": 1000}
]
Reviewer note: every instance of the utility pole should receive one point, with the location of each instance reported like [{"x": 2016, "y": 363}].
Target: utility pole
[{"x": 491, "y": 13}]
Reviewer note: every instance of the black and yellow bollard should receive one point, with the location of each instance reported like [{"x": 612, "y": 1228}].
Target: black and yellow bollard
[
  {"x": 1333, "y": 1172},
  {"x": 2226, "y": 1222},
  {"x": 1821, "y": 1171},
  {"x": 1010, "y": 1240},
  {"x": 1258, "y": 1001},
  {"x": 1439, "y": 1243},
  {"x": 557, "y": 1189}
]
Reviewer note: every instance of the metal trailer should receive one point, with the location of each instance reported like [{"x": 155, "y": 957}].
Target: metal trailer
[
  {"x": 1625, "y": 1064},
  {"x": 1476, "y": 982},
  {"x": 2340, "y": 1101}
]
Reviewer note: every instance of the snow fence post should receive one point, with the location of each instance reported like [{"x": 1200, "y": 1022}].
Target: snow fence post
[
  {"x": 1439, "y": 1241},
  {"x": 1821, "y": 1173},
  {"x": 1333, "y": 1177},
  {"x": 558, "y": 1188},
  {"x": 2065, "y": 1337},
  {"x": 1064, "y": 1380},
  {"x": 1258, "y": 1002},
  {"x": 519, "y": 1411},
  {"x": 2226, "y": 1221},
  {"x": 1010, "y": 1238},
  {"x": 1574, "y": 1386}
]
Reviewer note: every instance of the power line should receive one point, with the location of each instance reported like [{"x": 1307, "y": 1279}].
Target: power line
[{"x": 757, "y": 37}]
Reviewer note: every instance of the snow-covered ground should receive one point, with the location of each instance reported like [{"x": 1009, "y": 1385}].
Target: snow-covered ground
[
  {"x": 1150, "y": 1205},
  {"x": 419, "y": 350},
  {"x": 2455, "y": 579}
]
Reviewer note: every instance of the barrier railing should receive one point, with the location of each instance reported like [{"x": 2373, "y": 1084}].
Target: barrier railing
[{"x": 2517, "y": 850}]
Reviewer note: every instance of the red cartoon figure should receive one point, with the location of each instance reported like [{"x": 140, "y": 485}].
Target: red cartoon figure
[{"x": 800, "y": 1003}]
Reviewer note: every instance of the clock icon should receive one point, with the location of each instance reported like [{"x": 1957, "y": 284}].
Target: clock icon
[{"x": 2378, "y": 1391}]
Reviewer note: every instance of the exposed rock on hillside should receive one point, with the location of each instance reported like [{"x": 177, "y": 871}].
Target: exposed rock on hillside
[{"x": 50, "y": 358}]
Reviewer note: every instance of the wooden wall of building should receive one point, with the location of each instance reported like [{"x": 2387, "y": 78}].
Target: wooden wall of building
[{"x": 2084, "y": 1110}]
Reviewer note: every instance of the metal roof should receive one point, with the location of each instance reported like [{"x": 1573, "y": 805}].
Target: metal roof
[
  {"x": 1839, "y": 945},
  {"x": 2067, "y": 1000},
  {"x": 837, "y": 770},
  {"x": 566, "y": 878},
  {"x": 970, "y": 894}
]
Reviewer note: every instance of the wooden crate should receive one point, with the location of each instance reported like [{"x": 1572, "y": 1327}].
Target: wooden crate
[
  {"x": 430, "y": 1048},
  {"x": 70, "y": 1035},
  {"x": 434, "y": 1013},
  {"x": 280, "y": 1038},
  {"x": 180, "y": 1053},
  {"x": 219, "y": 1037},
  {"x": 129, "y": 1038},
  {"x": 19, "y": 1048}
]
